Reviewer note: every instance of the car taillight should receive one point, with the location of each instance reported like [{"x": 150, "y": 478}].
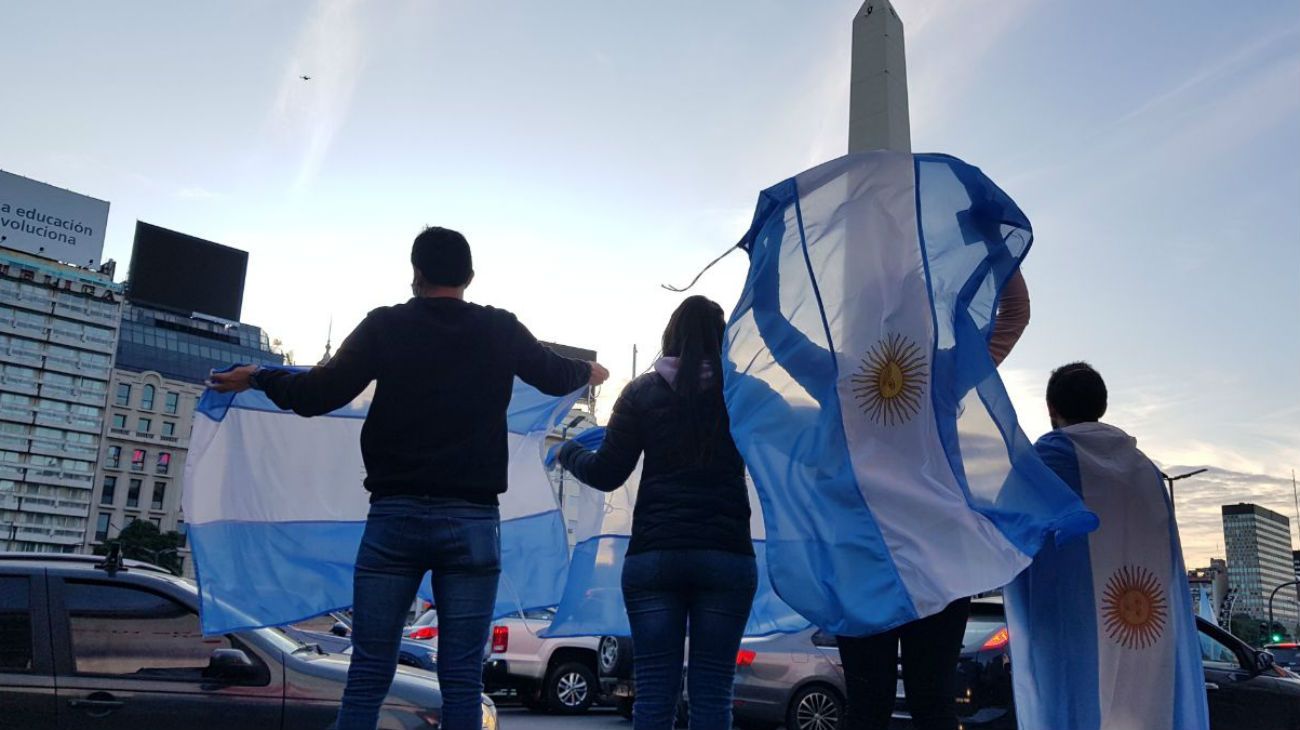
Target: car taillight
[
  {"x": 745, "y": 658},
  {"x": 500, "y": 639},
  {"x": 425, "y": 633},
  {"x": 997, "y": 640}
]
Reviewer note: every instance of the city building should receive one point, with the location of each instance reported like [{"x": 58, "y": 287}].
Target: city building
[
  {"x": 579, "y": 419},
  {"x": 163, "y": 357},
  {"x": 1210, "y": 590},
  {"x": 1258, "y": 542},
  {"x": 58, "y": 331}
]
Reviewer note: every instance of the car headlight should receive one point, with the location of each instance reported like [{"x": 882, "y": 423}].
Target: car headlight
[{"x": 489, "y": 715}]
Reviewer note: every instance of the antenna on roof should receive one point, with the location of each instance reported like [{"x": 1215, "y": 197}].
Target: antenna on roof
[{"x": 113, "y": 562}]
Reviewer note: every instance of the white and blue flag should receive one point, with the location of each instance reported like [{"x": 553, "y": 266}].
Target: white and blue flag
[
  {"x": 276, "y": 509},
  {"x": 593, "y": 596},
  {"x": 892, "y": 474},
  {"x": 1103, "y": 630}
]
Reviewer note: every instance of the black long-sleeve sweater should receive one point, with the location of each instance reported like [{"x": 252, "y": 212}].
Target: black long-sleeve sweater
[
  {"x": 443, "y": 372},
  {"x": 692, "y": 494}
]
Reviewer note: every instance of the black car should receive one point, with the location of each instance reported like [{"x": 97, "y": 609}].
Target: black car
[
  {"x": 1247, "y": 690},
  {"x": 89, "y": 642},
  {"x": 337, "y": 639}
]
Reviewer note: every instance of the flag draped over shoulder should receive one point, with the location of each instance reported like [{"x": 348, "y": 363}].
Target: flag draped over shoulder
[
  {"x": 276, "y": 509},
  {"x": 892, "y": 474},
  {"x": 593, "y": 596},
  {"x": 1103, "y": 630}
]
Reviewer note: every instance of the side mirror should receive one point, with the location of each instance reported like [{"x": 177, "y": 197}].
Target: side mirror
[
  {"x": 230, "y": 665},
  {"x": 1264, "y": 662},
  {"x": 340, "y": 629}
]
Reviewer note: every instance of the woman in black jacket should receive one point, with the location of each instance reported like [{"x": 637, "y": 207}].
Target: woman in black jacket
[{"x": 690, "y": 560}]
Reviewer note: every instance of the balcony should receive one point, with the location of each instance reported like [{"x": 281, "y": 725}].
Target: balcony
[
  {"x": 73, "y": 339},
  {"x": 51, "y": 535},
  {"x": 63, "y": 448},
  {"x": 12, "y": 472},
  {"x": 58, "y": 477},
  {"x": 60, "y": 364},
  {"x": 30, "y": 358},
  {"x": 14, "y": 413},
  {"x": 50, "y": 506},
  {"x": 120, "y": 431},
  {"x": 23, "y": 329},
  {"x": 25, "y": 386}
]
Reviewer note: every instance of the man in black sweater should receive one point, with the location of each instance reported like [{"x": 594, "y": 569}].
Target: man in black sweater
[{"x": 434, "y": 446}]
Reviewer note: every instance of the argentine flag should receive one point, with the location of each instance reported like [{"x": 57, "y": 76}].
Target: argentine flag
[
  {"x": 593, "y": 596},
  {"x": 276, "y": 509},
  {"x": 892, "y": 474},
  {"x": 1103, "y": 630}
]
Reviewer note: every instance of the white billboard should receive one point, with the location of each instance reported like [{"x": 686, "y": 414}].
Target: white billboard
[{"x": 51, "y": 222}]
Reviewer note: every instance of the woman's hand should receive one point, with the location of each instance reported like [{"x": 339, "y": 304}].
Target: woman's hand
[{"x": 233, "y": 381}]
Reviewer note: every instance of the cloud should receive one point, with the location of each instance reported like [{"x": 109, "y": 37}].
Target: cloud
[
  {"x": 195, "y": 192},
  {"x": 307, "y": 114}
]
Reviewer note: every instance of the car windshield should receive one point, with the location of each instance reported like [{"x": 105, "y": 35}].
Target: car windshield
[
  {"x": 428, "y": 618},
  {"x": 978, "y": 630}
]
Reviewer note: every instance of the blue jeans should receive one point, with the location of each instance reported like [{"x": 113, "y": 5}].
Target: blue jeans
[
  {"x": 665, "y": 591},
  {"x": 406, "y": 537}
]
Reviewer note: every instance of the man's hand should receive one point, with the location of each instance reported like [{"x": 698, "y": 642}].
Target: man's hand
[
  {"x": 598, "y": 374},
  {"x": 235, "y": 381}
]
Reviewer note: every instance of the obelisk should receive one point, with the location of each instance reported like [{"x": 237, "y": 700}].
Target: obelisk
[{"x": 878, "y": 82}]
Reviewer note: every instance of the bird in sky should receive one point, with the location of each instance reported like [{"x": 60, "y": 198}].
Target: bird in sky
[{"x": 305, "y": 78}]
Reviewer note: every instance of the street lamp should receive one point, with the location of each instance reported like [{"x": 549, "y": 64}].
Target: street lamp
[
  {"x": 1173, "y": 506},
  {"x": 1271, "y": 596}
]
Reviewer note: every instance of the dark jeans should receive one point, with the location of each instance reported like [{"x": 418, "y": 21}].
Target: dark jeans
[
  {"x": 665, "y": 590},
  {"x": 930, "y": 648},
  {"x": 406, "y": 537}
]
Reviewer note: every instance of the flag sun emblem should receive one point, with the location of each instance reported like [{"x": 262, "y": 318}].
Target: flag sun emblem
[
  {"x": 891, "y": 381},
  {"x": 1134, "y": 608}
]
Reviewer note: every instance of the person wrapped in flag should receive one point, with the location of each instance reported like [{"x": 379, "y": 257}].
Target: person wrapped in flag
[
  {"x": 1103, "y": 630},
  {"x": 893, "y": 476}
]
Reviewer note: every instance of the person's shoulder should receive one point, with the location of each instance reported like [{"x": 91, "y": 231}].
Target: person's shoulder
[
  {"x": 1055, "y": 447},
  {"x": 644, "y": 386}
]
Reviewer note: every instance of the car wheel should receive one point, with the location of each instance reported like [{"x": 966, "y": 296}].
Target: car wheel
[
  {"x": 816, "y": 707},
  {"x": 407, "y": 660},
  {"x": 571, "y": 688},
  {"x": 614, "y": 657}
]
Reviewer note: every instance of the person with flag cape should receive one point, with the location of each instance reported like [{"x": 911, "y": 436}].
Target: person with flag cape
[{"x": 1103, "y": 629}]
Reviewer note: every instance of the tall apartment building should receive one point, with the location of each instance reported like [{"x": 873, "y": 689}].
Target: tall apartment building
[
  {"x": 163, "y": 356},
  {"x": 1258, "y": 543},
  {"x": 58, "y": 331}
]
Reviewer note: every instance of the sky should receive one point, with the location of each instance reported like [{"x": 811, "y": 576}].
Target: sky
[{"x": 592, "y": 151}]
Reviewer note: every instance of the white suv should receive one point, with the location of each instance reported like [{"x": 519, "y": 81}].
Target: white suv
[{"x": 549, "y": 674}]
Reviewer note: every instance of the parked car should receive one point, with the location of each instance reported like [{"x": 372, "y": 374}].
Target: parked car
[
  {"x": 333, "y": 633},
  {"x": 776, "y": 676},
  {"x": 618, "y": 681},
  {"x": 90, "y": 642},
  {"x": 548, "y": 674},
  {"x": 1286, "y": 655}
]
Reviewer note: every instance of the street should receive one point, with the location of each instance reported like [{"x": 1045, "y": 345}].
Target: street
[{"x": 514, "y": 717}]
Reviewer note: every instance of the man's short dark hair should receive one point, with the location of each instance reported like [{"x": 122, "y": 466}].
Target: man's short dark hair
[
  {"x": 1077, "y": 393},
  {"x": 442, "y": 256}
]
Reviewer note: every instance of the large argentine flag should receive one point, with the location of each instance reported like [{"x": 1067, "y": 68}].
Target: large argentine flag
[
  {"x": 1103, "y": 631},
  {"x": 276, "y": 509},
  {"x": 593, "y": 596},
  {"x": 892, "y": 474}
]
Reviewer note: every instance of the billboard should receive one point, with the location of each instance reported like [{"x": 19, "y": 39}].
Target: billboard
[
  {"x": 186, "y": 274},
  {"x": 51, "y": 222}
]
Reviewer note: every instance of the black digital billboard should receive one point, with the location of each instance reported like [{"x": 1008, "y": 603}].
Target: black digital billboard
[{"x": 186, "y": 274}]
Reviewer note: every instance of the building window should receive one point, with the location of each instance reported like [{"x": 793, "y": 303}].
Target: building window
[
  {"x": 146, "y": 398},
  {"x": 101, "y": 527},
  {"x": 172, "y": 403},
  {"x": 143, "y": 425},
  {"x": 157, "y": 522},
  {"x": 119, "y": 421},
  {"x": 115, "y": 457},
  {"x": 133, "y": 496},
  {"x": 123, "y": 394},
  {"x": 159, "y": 493},
  {"x": 164, "y": 462},
  {"x": 183, "y": 529},
  {"x": 168, "y": 428},
  {"x": 137, "y": 460},
  {"x": 110, "y": 490}
]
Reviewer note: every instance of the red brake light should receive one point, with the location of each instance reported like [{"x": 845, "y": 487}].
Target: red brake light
[
  {"x": 745, "y": 658},
  {"x": 500, "y": 639},
  {"x": 425, "y": 633},
  {"x": 997, "y": 640}
]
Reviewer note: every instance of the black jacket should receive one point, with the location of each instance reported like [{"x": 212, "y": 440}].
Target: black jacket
[
  {"x": 444, "y": 370},
  {"x": 692, "y": 493}
]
